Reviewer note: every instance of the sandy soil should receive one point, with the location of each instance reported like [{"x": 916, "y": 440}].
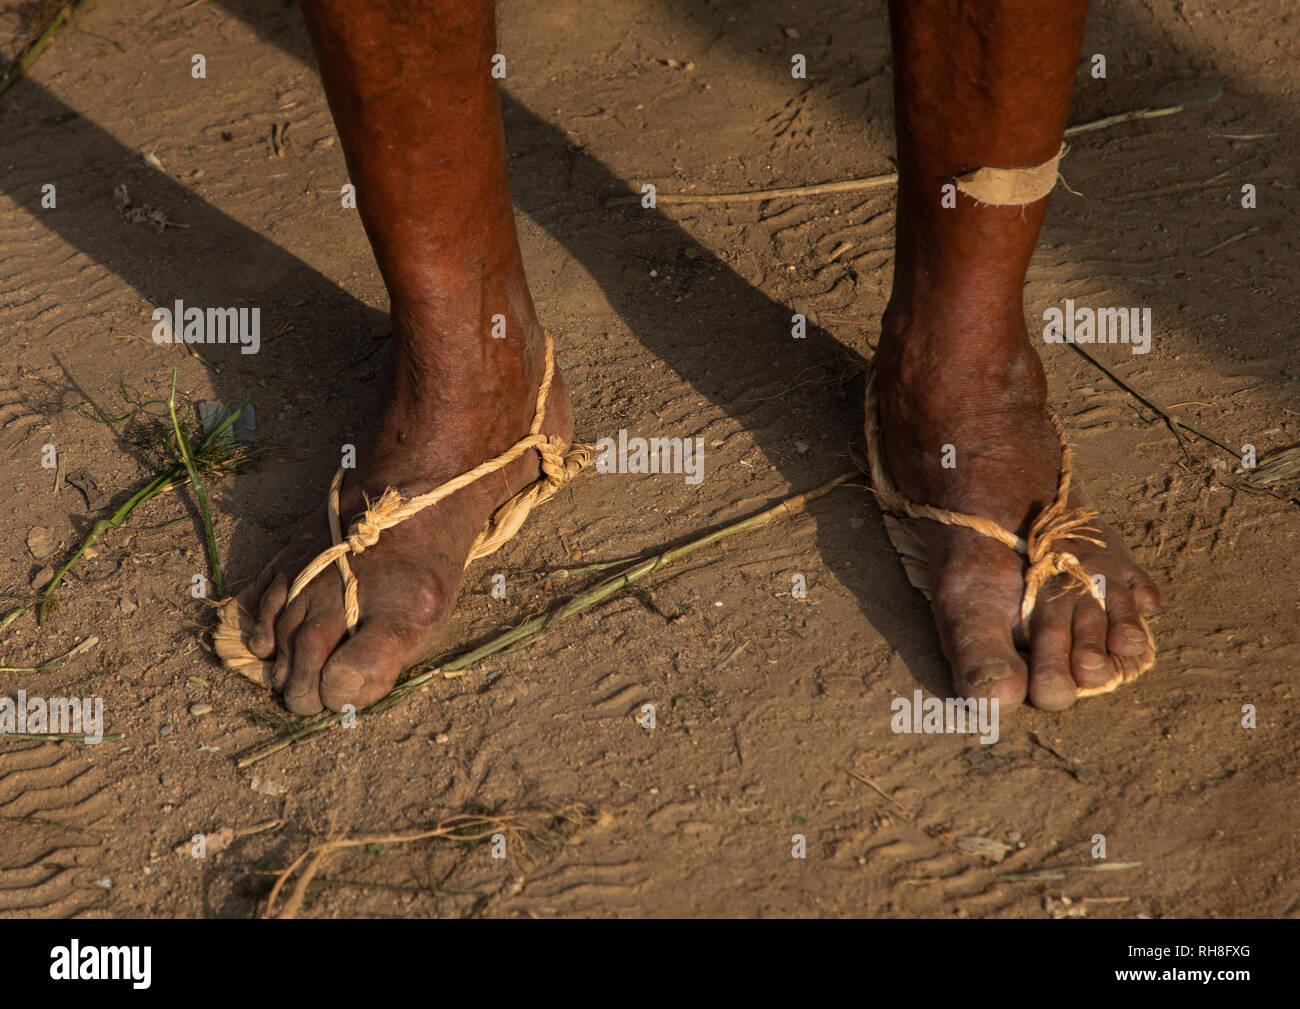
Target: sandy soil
[{"x": 773, "y": 712}]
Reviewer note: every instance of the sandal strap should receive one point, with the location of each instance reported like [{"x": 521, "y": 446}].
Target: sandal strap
[{"x": 560, "y": 463}]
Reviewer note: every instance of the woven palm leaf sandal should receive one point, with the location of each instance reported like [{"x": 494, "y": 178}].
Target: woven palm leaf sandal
[
  {"x": 560, "y": 463},
  {"x": 1045, "y": 549}
]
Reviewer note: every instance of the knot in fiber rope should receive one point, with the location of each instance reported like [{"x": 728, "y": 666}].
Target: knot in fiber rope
[
  {"x": 559, "y": 463},
  {"x": 552, "y": 454},
  {"x": 364, "y": 533}
]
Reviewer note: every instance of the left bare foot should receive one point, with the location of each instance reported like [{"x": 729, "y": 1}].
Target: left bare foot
[{"x": 1008, "y": 461}]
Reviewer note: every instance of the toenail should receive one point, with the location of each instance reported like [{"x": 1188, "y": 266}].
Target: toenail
[
  {"x": 1091, "y": 659},
  {"x": 345, "y": 679},
  {"x": 1135, "y": 635},
  {"x": 988, "y": 672}
]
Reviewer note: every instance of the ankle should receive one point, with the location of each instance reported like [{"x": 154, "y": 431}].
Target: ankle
[
  {"x": 495, "y": 352},
  {"x": 962, "y": 358}
]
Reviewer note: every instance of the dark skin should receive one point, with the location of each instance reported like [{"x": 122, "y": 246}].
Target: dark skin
[{"x": 977, "y": 84}]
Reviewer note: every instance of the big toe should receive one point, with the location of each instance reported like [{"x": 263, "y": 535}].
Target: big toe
[
  {"x": 1052, "y": 686},
  {"x": 365, "y": 667},
  {"x": 977, "y": 639}
]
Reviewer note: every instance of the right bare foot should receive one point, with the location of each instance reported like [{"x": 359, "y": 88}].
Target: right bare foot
[{"x": 440, "y": 417}]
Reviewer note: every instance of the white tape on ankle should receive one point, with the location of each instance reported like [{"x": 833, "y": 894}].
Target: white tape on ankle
[{"x": 1011, "y": 187}]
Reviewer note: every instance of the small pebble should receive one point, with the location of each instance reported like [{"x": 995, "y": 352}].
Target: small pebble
[
  {"x": 166, "y": 730},
  {"x": 442, "y": 737},
  {"x": 165, "y": 780},
  {"x": 199, "y": 708},
  {"x": 41, "y": 542}
]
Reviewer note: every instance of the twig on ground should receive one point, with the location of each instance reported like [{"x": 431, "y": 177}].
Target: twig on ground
[
  {"x": 1227, "y": 242},
  {"x": 585, "y": 569},
  {"x": 463, "y": 827},
  {"x": 872, "y": 181},
  {"x": 1128, "y": 117},
  {"x": 57, "y": 661},
  {"x": 820, "y": 189},
  {"x": 1060, "y": 872},
  {"x": 877, "y": 789},
  {"x": 1147, "y": 401},
  {"x": 40, "y": 821}
]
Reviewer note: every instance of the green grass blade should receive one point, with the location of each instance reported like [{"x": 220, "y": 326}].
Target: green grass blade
[{"x": 208, "y": 533}]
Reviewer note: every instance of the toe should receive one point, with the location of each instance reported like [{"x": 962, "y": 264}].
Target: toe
[
  {"x": 302, "y": 690},
  {"x": 1089, "y": 661},
  {"x": 313, "y": 642},
  {"x": 305, "y": 703},
  {"x": 1051, "y": 685},
  {"x": 366, "y": 666},
  {"x": 976, "y": 637},
  {"x": 1145, "y": 593},
  {"x": 282, "y": 665},
  {"x": 286, "y": 624},
  {"x": 307, "y": 648},
  {"x": 272, "y": 589},
  {"x": 400, "y": 617},
  {"x": 1126, "y": 636}
]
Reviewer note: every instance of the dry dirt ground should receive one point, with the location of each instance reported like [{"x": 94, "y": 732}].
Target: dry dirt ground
[{"x": 773, "y": 712}]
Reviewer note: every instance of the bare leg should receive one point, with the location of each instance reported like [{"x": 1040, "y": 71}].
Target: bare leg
[
  {"x": 418, "y": 114},
  {"x": 987, "y": 85}
]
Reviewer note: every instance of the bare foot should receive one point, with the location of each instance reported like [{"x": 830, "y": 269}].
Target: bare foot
[
  {"x": 936, "y": 390},
  {"x": 437, "y": 419}
]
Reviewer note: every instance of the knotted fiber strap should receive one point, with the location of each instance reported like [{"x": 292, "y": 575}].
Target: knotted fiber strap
[
  {"x": 1011, "y": 187},
  {"x": 560, "y": 463},
  {"x": 1045, "y": 548}
]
